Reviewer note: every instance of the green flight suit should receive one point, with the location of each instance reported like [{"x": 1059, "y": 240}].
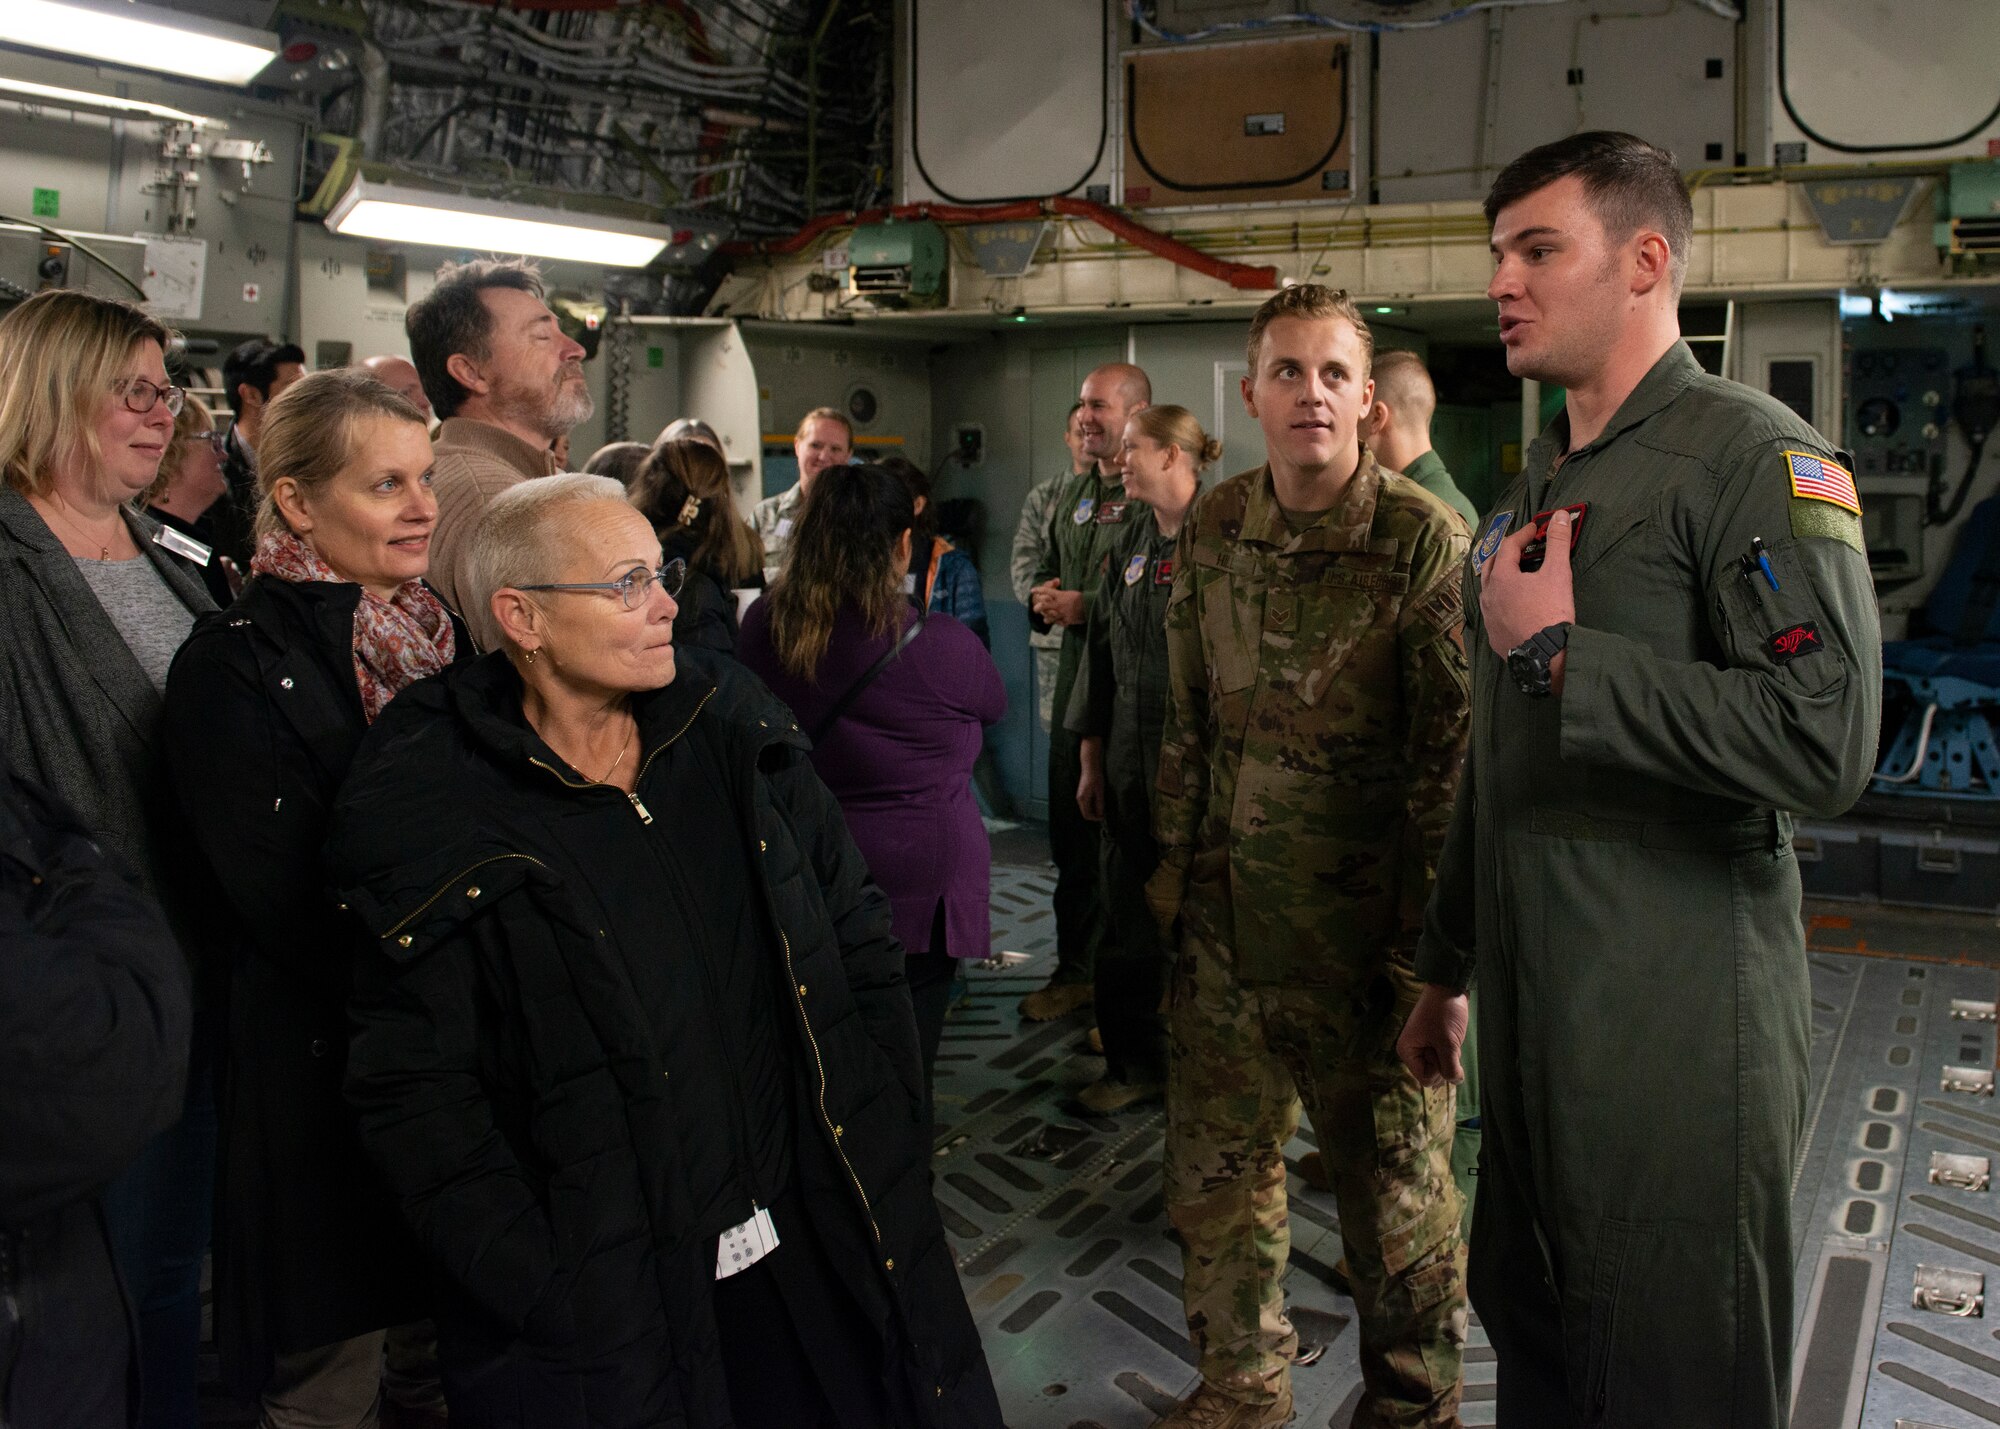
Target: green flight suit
[
  {"x": 1620, "y": 872},
  {"x": 1120, "y": 696},
  {"x": 1428, "y": 471},
  {"x": 1306, "y": 780},
  {"x": 1086, "y": 519}
]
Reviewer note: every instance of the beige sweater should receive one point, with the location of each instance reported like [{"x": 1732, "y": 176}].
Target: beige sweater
[{"x": 475, "y": 462}]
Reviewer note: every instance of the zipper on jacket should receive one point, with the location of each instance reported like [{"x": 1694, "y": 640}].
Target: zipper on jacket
[
  {"x": 632, "y": 798},
  {"x": 819, "y": 1077},
  {"x": 439, "y": 892}
]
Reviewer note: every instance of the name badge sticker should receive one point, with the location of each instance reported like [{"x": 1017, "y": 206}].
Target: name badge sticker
[
  {"x": 784, "y": 528},
  {"x": 168, "y": 539}
]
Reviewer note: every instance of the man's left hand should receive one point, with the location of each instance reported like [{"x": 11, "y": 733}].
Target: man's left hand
[
  {"x": 1061, "y": 607},
  {"x": 1514, "y": 603}
]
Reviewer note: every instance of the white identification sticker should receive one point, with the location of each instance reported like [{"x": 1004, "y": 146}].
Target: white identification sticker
[
  {"x": 784, "y": 528},
  {"x": 910, "y": 584},
  {"x": 168, "y": 539},
  {"x": 743, "y": 1246}
]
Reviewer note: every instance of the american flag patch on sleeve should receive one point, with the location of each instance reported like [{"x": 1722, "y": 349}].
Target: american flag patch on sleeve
[{"x": 1817, "y": 479}]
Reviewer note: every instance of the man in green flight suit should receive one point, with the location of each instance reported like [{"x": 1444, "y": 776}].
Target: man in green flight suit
[
  {"x": 1306, "y": 778},
  {"x": 1695, "y": 661},
  {"x": 1088, "y": 517},
  {"x": 1119, "y": 712},
  {"x": 1398, "y": 428}
]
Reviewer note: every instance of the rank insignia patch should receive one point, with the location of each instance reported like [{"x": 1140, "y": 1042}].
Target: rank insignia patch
[
  {"x": 1084, "y": 508},
  {"x": 1817, "y": 479},
  {"x": 1135, "y": 568},
  {"x": 1496, "y": 532},
  {"x": 1795, "y": 641}
]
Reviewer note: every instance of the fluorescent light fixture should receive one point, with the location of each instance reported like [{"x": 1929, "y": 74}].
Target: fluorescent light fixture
[
  {"x": 139, "y": 36},
  {"x": 49, "y": 94},
  {"x": 394, "y": 214}
]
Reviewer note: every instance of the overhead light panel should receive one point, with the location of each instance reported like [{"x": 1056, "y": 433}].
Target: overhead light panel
[
  {"x": 22, "y": 92},
  {"x": 393, "y": 214},
  {"x": 141, "y": 37}
]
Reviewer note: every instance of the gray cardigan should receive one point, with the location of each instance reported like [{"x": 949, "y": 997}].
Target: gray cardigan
[{"x": 78, "y": 714}]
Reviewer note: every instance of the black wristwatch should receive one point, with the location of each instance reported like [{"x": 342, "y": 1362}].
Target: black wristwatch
[{"x": 1528, "y": 662}]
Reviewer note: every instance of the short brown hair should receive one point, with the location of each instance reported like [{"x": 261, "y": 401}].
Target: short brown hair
[
  {"x": 60, "y": 354},
  {"x": 309, "y": 432},
  {"x": 825, "y": 414},
  {"x": 1630, "y": 184},
  {"x": 452, "y": 317},
  {"x": 1314, "y": 301}
]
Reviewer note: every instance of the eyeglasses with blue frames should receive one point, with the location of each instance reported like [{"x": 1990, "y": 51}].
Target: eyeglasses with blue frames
[
  {"x": 633, "y": 587},
  {"x": 141, "y": 395}
]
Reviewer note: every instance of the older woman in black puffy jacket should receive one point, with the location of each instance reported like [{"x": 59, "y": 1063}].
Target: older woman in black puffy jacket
[{"x": 633, "y": 1046}]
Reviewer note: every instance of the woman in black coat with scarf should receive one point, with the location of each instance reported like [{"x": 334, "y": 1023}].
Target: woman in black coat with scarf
[
  {"x": 634, "y": 1047},
  {"x": 266, "y": 705}
]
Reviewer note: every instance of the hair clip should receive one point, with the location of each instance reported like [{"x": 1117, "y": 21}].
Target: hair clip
[{"x": 690, "y": 509}]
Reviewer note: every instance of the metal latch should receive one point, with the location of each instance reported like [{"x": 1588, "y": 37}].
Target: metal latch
[
  {"x": 1938, "y": 858},
  {"x": 1971, "y": 1009},
  {"x": 1978, "y": 1081},
  {"x": 1967, "y": 1173},
  {"x": 1950, "y": 1292}
]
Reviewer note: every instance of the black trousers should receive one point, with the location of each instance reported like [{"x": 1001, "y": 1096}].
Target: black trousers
[
  {"x": 1074, "y": 846},
  {"x": 1133, "y": 963},
  {"x": 794, "y": 1350},
  {"x": 930, "y": 977}
]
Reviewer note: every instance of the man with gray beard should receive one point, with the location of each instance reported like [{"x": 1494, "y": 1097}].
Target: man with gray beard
[{"x": 507, "y": 383}]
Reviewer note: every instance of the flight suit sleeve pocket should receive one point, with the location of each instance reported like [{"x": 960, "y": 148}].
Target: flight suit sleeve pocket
[{"x": 1774, "y": 624}]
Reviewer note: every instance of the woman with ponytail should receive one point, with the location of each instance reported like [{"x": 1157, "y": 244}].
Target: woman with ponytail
[
  {"x": 1119, "y": 707},
  {"x": 683, "y": 489}
]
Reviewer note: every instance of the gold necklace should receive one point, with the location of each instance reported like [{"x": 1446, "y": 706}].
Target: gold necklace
[
  {"x": 104, "y": 551},
  {"x": 621, "y": 753}
]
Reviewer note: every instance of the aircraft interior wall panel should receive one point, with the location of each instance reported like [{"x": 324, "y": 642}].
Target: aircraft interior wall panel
[
  {"x": 1870, "y": 73},
  {"x": 1004, "y": 101},
  {"x": 1668, "y": 76},
  {"x": 884, "y": 386}
]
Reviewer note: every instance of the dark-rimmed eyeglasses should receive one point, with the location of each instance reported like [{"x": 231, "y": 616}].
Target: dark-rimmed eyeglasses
[
  {"x": 216, "y": 439},
  {"x": 633, "y": 587},
  {"x": 141, "y": 395}
]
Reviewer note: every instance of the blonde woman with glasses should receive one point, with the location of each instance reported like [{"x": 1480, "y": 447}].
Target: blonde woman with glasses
[{"x": 96, "y": 608}]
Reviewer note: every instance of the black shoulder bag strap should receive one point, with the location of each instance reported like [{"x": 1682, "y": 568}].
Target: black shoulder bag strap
[{"x": 846, "y": 702}]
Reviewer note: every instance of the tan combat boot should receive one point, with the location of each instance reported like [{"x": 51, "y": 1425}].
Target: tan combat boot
[
  {"x": 1106, "y": 1097},
  {"x": 1209, "y": 1408},
  {"x": 1058, "y": 999}
]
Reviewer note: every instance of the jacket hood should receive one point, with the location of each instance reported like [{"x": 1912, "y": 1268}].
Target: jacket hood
[{"x": 427, "y": 804}]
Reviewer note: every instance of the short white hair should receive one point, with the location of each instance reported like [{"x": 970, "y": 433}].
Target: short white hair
[{"x": 523, "y": 539}]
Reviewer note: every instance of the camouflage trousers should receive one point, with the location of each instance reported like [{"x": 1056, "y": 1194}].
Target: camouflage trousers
[
  {"x": 1241, "y": 1059},
  {"x": 1048, "y": 661}
]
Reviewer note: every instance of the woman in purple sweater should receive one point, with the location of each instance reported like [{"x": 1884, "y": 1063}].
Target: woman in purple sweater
[{"x": 897, "y": 751}]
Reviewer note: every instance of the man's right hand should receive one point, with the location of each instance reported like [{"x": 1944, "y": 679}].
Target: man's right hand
[
  {"x": 1090, "y": 786},
  {"x": 1432, "y": 1036}
]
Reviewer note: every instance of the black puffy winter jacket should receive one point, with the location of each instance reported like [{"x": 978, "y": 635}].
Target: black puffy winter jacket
[{"x": 511, "y": 1088}]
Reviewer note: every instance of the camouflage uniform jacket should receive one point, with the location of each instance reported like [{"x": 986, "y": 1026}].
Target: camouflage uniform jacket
[
  {"x": 1032, "y": 545},
  {"x": 1317, "y": 724},
  {"x": 774, "y": 517}
]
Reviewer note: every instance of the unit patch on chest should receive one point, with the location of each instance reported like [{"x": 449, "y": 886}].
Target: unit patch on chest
[
  {"x": 1084, "y": 508},
  {"x": 1496, "y": 532},
  {"x": 1135, "y": 568}
]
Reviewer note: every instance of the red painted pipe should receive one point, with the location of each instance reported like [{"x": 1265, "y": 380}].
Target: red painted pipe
[{"x": 1236, "y": 275}]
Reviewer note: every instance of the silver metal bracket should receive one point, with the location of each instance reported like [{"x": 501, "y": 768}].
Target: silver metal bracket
[
  {"x": 1975, "y": 1081},
  {"x": 1966, "y": 1173},
  {"x": 1971, "y": 1009},
  {"x": 1950, "y": 1292}
]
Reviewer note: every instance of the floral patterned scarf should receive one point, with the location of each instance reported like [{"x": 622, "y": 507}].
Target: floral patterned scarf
[{"x": 396, "y": 641}]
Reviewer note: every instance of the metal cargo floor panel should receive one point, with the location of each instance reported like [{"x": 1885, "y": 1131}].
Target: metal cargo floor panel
[{"x": 1074, "y": 1277}]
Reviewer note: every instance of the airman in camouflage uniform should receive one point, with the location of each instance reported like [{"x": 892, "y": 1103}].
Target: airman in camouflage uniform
[
  {"x": 1032, "y": 544},
  {"x": 1306, "y": 780}
]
